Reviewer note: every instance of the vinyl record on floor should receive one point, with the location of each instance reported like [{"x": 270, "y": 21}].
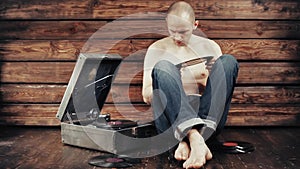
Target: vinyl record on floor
[
  {"x": 109, "y": 161},
  {"x": 130, "y": 160},
  {"x": 236, "y": 147},
  {"x": 233, "y": 147},
  {"x": 236, "y": 144}
]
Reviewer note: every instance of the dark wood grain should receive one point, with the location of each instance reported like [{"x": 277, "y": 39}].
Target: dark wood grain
[
  {"x": 249, "y": 73},
  {"x": 288, "y": 160},
  {"x": 21, "y": 150},
  {"x": 36, "y": 93},
  {"x": 68, "y": 50},
  {"x": 43, "y": 93},
  {"x": 23, "y": 93},
  {"x": 83, "y": 30},
  {"x": 94, "y": 9},
  {"x": 40, "y": 42},
  {"x": 271, "y": 148},
  {"x": 256, "y": 94},
  {"x": 30, "y": 114},
  {"x": 274, "y": 148},
  {"x": 49, "y": 29},
  {"x": 132, "y": 72},
  {"x": 43, "y": 72},
  {"x": 239, "y": 114}
]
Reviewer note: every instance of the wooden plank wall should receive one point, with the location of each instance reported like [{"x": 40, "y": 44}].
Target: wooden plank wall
[{"x": 40, "y": 42}]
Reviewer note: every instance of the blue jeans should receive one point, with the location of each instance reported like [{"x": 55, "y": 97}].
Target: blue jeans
[{"x": 175, "y": 110}]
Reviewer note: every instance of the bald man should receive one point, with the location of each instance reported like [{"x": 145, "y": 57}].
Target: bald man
[{"x": 173, "y": 90}]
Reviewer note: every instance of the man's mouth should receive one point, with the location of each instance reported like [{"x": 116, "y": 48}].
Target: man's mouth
[{"x": 179, "y": 43}]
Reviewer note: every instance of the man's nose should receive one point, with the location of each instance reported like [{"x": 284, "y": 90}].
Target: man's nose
[{"x": 177, "y": 36}]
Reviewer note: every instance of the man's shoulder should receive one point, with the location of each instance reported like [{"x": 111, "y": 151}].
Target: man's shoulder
[
  {"x": 202, "y": 44},
  {"x": 198, "y": 40},
  {"x": 160, "y": 44},
  {"x": 201, "y": 39}
]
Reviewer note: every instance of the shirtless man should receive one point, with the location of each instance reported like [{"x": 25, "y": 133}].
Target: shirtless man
[{"x": 180, "y": 86}]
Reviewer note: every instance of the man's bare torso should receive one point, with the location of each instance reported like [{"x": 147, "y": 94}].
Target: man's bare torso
[{"x": 198, "y": 47}]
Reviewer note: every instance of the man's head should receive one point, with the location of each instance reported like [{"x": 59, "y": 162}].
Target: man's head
[{"x": 181, "y": 22}]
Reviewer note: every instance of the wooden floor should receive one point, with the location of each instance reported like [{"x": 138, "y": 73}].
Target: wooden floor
[{"x": 31, "y": 147}]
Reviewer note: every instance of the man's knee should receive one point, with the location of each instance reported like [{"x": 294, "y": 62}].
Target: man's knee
[
  {"x": 229, "y": 63},
  {"x": 163, "y": 67}
]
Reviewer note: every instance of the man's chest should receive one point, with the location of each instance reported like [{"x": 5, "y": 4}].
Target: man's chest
[
  {"x": 178, "y": 55},
  {"x": 189, "y": 52}
]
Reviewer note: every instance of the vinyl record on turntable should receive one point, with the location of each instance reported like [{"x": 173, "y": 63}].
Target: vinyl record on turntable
[
  {"x": 120, "y": 124},
  {"x": 115, "y": 124}
]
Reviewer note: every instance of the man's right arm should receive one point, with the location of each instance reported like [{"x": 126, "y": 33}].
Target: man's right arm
[
  {"x": 147, "y": 85},
  {"x": 149, "y": 62}
]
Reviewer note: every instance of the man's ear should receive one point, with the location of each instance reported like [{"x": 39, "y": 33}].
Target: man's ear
[{"x": 196, "y": 24}]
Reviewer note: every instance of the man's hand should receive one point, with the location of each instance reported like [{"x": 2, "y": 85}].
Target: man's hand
[{"x": 147, "y": 95}]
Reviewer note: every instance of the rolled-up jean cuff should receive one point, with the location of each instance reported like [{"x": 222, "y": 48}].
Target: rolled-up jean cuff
[
  {"x": 209, "y": 123},
  {"x": 181, "y": 129},
  {"x": 208, "y": 129}
]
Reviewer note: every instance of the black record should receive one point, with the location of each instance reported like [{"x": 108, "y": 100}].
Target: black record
[
  {"x": 120, "y": 124},
  {"x": 109, "y": 161},
  {"x": 194, "y": 61},
  {"x": 234, "y": 147},
  {"x": 237, "y": 147},
  {"x": 130, "y": 160},
  {"x": 115, "y": 124}
]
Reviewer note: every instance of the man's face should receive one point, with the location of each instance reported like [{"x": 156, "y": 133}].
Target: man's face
[{"x": 180, "y": 29}]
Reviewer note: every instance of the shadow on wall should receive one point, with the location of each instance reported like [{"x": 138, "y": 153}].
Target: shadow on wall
[
  {"x": 2, "y": 60},
  {"x": 11, "y": 32},
  {"x": 1, "y": 92},
  {"x": 2, "y": 53}
]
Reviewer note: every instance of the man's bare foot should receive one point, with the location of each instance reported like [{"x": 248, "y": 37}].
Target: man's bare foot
[
  {"x": 199, "y": 153},
  {"x": 182, "y": 152}
]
